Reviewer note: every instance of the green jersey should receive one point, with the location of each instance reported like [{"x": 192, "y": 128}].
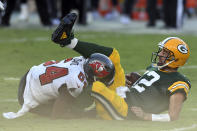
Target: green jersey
[{"x": 153, "y": 90}]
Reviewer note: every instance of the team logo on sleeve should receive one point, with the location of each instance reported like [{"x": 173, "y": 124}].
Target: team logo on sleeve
[{"x": 182, "y": 48}]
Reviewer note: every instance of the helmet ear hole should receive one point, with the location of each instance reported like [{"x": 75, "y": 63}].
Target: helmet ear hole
[{"x": 99, "y": 67}]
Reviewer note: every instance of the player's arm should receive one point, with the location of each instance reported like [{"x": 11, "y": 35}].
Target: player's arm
[
  {"x": 62, "y": 105},
  {"x": 64, "y": 36},
  {"x": 86, "y": 49},
  {"x": 176, "y": 102},
  {"x": 178, "y": 92}
]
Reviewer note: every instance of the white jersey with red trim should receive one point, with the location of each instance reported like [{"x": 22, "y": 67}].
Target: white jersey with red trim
[{"x": 44, "y": 80}]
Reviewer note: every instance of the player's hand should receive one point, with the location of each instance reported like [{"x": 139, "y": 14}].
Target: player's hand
[
  {"x": 131, "y": 78},
  {"x": 140, "y": 113},
  {"x": 63, "y": 33}
]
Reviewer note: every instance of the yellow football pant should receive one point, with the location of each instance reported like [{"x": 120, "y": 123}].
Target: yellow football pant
[{"x": 109, "y": 105}]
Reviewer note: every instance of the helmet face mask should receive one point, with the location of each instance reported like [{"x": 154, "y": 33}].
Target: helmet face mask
[
  {"x": 162, "y": 56},
  {"x": 173, "y": 53},
  {"x": 99, "y": 68}
]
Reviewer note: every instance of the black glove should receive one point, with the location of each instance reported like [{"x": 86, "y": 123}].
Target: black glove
[{"x": 63, "y": 34}]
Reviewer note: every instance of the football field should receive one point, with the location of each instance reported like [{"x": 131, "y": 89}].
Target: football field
[{"x": 20, "y": 49}]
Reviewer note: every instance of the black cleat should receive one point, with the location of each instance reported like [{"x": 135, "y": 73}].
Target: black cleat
[{"x": 63, "y": 34}]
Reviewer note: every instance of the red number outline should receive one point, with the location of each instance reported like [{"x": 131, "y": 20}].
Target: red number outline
[
  {"x": 51, "y": 74},
  {"x": 50, "y": 63}
]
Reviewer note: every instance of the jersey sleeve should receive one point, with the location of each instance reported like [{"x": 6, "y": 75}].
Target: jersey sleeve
[
  {"x": 75, "y": 81},
  {"x": 119, "y": 78},
  {"x": 74, "y": 86},
  {"x": 179, "y": 86},
  {"x": 86, "y": 49},
  {"x": 115, "y": 57}
]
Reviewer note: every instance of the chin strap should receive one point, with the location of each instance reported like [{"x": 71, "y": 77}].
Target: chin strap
[{"x": 160, "y": 67}]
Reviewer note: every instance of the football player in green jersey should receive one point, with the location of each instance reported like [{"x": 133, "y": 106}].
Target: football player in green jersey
[{"x": 159, "y": 89}]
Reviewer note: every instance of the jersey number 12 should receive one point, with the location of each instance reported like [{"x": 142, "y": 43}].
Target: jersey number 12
[{"x": 140, "y": 86}]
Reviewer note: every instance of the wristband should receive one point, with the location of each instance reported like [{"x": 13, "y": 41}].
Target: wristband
[{"x": 160, "y": 117}]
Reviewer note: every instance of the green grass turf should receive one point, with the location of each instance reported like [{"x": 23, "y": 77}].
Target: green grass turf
[{"x": 21, "y": 49}]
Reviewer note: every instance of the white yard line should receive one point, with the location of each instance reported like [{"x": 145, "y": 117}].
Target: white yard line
[
  {"x": 189, "y": 67},
  {"x": 9, "y": 100},
  {"x": 11, "y": 79},
  {"x": 18, "y": 40},
  {"x": 41, "y": 39},
  {"x": 183, "y": 128},
  {"x": 193, "y": 109}
]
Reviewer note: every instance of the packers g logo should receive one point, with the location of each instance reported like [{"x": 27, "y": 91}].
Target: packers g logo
[{"x": 182, "y": 48}]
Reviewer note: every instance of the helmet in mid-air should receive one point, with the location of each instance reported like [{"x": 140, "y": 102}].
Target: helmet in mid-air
[
  {"x": 99, "y": 67},
  {"x": 178, "y": 53}
]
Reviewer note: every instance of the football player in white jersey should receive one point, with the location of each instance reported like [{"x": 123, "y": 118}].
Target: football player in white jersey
[{"x": 50, "y": 88}]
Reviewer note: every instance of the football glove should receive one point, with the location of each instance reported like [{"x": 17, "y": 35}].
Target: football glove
[
  {"x": 131, "y": 78},
  {"x": 63, "y": 34}
]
